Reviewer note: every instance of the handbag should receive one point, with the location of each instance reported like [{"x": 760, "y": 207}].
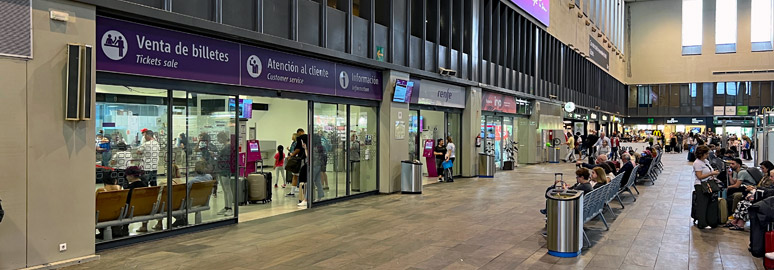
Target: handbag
[
  {"x": 710, "y": 186},
  {"x": 447, "y": 164},
  {"x": 294, "y": 164}
]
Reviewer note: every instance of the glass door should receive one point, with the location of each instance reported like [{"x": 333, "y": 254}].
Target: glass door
[
  {"x": 328, "y": 178},
  {"x": 453, "y": 130},
  {"x": 508, "y": 139},
  {"x": 413, "y": 136},
  {"x": 207, "y": 161},
  {"x": 362, "y": 148}
]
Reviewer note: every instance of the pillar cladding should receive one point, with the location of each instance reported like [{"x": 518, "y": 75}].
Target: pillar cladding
[
  {"x": 393, "y": 134},
  {"x": 471, "y": 127}
]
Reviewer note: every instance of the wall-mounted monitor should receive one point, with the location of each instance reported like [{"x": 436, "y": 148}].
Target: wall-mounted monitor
[{"x": 245, "y": 107}]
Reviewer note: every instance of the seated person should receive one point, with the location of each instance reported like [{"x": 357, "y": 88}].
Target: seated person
[
  {"x": 645, "y": 161},
  {"x": 110, "y": 183},
  {"x": 201, "y": 176},
  {"x": 134, "y": 178},
  {"x": 583, "y": 183},
  {"x": 600, "y": 159},
  {"x": 162, "y": 181},
  {"x": 612, "y": 166},
  {"x": 740, "y": 214},
  {"x": 626, "y": 168},
  {"x": 598, "y": 177}
]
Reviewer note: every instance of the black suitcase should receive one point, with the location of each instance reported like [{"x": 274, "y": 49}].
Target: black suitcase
[
  {"x": 691, "y": 156},
  {"x": 508, "y": 165}
]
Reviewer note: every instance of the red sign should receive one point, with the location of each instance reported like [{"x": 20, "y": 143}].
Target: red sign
[{"x": 495, "y": 102}]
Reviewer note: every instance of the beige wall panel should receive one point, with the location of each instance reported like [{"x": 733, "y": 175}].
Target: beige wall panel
[
  {"x": 568, "y": 28},
  {"x": 656, "y": 40},
  {"x": 61, "y": 154},
  {"x": 13, "y": 156}
]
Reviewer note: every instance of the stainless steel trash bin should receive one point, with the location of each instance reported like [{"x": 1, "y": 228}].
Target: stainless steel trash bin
[
  {"x": 411, "y": 177},
  {"x": 486, "y": 166},
  {"x": 564, "y": 209},
  {"x": 553, "y": 154}
]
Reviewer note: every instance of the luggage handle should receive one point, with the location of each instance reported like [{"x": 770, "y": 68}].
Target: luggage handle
[{"x": 561, "y": 179}]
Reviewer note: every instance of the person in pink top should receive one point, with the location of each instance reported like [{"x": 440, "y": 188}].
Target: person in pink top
[{"x": 279, "y": 165}]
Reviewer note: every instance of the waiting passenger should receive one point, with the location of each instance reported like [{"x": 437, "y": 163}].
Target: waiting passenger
[
  {"x": 705, "y": 207},
  {"x": 604, "y": 148},
  {"x": 450, "y": 156},
  {"x": 110, "y": 183},
  {"x": 626, "y": 168},
  {"x": 279, "y": 166},
  {"x": 440, "y": 154},
  {"x": 644, "y": 162},
  {"x": 598, "y": 177},
  {"x": 600, "y": 159}
]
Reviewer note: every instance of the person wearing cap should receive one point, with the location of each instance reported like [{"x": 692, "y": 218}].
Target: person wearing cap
[{"x": 149, "y": 151}]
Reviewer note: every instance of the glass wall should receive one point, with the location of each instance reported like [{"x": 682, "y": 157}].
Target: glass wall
[
  {"x": 133, "y": 193},
  {"x": 498, "y": 135},
  {"x": 692, "y": 99}
]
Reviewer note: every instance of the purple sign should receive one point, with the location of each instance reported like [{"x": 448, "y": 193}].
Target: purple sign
[
  {"x": 132, "y": 48},
  {"x": 276, "y": 70},
  {"x": 540, "y": 9}
]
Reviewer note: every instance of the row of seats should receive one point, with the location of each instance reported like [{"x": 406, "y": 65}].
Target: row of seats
[
  {"x": 113, "y": 208},
  {"x": 594, "y": 202}
]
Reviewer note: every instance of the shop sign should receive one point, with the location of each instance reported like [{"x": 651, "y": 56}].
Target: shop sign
[
  {"x": 697, "y": 121},
  {"x": 604, "y": 118},
  {"x": 598, "y": 53},
  {"x": 438, "y": 94},
  {"x": 741, "y": 110},
  {"x": 718, "y": 110},
  {"x": 672, "y": 121},
  {"x": 132, "y": 48},
  {"x": 593, "y": 116},
  {"x": 730, "y": 110},
  {"x": 495, "y": 102}
]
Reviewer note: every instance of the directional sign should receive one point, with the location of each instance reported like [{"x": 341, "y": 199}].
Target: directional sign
[{"x": 380, "y": 53}]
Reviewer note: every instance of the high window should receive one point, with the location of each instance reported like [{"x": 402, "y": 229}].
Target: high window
[
  {"x": 692, "y": 26},
  {"x": 725, "y": 26},
  {"x": 761, "y": 23}
]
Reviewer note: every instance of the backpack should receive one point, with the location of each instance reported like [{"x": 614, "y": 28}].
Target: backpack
[{"x": 756, "y": 174}]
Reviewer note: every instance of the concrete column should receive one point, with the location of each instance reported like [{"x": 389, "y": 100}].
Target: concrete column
[
  {"x": 471, "y": 127},
  {"x": 392, "y": 150}
]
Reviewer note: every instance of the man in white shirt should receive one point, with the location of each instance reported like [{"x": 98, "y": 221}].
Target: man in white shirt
[{"x": 149, "y": 153}]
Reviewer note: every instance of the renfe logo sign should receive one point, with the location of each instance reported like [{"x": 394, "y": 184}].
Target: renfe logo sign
[
  {"x": 440, "y": 94},
  {"x": 540, "y": 9},
  {"x": 132, "y": 48}
]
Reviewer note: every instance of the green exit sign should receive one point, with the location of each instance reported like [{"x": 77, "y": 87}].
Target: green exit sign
[{"x": 651, "y": 120}]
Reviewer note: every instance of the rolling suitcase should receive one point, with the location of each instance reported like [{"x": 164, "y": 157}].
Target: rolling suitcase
[
  {"x": 723, "y": 210},
  {"x": 767, "y": 263},
  {"x": 258, "y": 186},
  {"x": 242, "y": 191}
]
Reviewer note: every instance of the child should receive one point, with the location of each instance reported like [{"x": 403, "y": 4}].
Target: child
[{"x": 279, "y": 165}]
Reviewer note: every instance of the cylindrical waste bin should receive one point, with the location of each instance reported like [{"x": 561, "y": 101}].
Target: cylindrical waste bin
[
  {"x": 564, "y": 209},
  {"x": 486, "y": 165},
  {"x": 411, "y": 177},
  {"x": 553, "y": 154}
]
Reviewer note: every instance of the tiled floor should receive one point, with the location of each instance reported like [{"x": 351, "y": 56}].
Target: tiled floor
[{"x": 468, "y": 224}]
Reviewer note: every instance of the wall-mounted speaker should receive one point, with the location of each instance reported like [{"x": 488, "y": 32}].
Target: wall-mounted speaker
[
  {"x": 78, "y": 90},
  {"x": 87, "y": 92},
  {"x": 73, "y": 83}
]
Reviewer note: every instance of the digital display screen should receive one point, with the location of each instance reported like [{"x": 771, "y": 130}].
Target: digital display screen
[
  {"x": 245, "y": 107},
  {"x": 254, "y": 147},
  {"x": 401, "y": 90},
  {"x": 429, "y": 144}
]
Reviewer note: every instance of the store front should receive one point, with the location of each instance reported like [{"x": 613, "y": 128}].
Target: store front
[
  {"x": 576, "y": 121},
  {"x": 499, "y": 125},
  {"x": 594, "y": 123},
  {"x": 203, "y": 121},
  {"x": 435, "y": 112}
]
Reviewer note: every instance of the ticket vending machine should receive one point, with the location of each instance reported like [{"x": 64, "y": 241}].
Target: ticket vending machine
[
  {"x": 430, "y": 158},
  {"x": 249, "y": 158}
]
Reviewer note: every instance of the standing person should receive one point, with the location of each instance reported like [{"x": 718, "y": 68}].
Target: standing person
[
  {"x": 300, "y": 151},
  {"x": 294, "y": 179},
  {"x": 450, "y": 148},
  {"x": 183, "y": 149},
  {"x": 225, "y": 172},
  {"x": 149, "y": 151},
  {"x": 121, "y": 158},
  {"x": 590, "y": 142},
  {"x": 571, "y": 146},
  {"x": 615, "y": 144},
  {"x": 104, "y": 149},
  {"x": 321, "y": 161},
  {"x": 279, "y": 165},
  {"x": 440, "y": 155},
  {"x": 706, "y": 204},
  {"x": 679, "y": 142},
  {"x": 746, "y": 148}
]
